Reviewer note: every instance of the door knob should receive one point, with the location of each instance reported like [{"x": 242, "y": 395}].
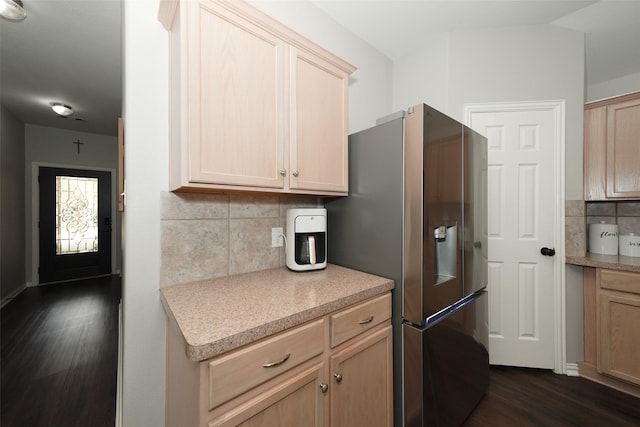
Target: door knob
[{"x": 547, "y": 252}]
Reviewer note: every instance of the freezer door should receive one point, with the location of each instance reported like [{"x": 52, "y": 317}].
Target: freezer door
[{"x": 446, "y": 367}]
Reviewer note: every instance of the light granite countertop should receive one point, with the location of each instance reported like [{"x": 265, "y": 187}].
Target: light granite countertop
[
  {"x": 611, "y": 262},
  {"x": 215, "y": 316}
]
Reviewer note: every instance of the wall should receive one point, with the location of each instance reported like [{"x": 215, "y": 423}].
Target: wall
[
  {"x": 145, "y": 113},
  {"x": 153, "y": 217},
  {"x": 615, "y": 87},
  {"x": 12, "y": 206},
  {"x": 423, "y": 75},
  {"x": 506, "y": 65},
  {"x": 524, "y": 64},
  {"x": 52, "y": 146},
  {"x": 369, "y": 86}
]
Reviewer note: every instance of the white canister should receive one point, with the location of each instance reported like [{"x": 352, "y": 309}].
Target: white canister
[
  {"x": 630, "y": 245},
  {"x": 603, "y": 238}
]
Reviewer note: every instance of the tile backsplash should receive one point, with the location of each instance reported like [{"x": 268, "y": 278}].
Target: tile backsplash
[
  {"x": 579, "y": 214},
  {"x": 625, "y": 214},
  {"x": 575, "y": 228},
  {"x": 205, "y": 236}
]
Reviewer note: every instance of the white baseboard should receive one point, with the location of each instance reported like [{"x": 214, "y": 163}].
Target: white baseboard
[
  {"x": 12, "y": 295},
  {"x": 572, "y": 370},
  {"x": 119, "y": 374}
]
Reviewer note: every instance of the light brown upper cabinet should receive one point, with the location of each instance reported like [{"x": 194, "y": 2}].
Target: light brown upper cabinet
[
  {"x": 612, "y": 148},
  {"x": 254, "y": 105}
]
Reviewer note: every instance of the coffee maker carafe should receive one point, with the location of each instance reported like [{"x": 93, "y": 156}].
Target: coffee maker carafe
[{"x": 306, "y": 239}]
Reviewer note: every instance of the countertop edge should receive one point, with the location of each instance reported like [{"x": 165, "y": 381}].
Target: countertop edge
[{"x": 611, "y": 262}]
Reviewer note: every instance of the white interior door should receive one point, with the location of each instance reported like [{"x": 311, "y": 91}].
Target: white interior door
[{"x": 525, "y": 208}]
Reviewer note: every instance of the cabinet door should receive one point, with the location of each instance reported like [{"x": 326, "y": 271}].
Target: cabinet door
[
  {"x": 623, "y": 149},
  {"x": 318, "y": 128},
  {"x": 361, "y": 383},
  {"x": 297, "y": 401},
  {"x": 595, "y": 151},
  {"x": 619, "y": 335},
  {"x": 235, "y": 107}
]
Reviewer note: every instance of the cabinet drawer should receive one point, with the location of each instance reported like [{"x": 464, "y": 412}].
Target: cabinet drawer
[
  {"x": 353, "y": 321},
  {"x": 620, "y": 281},
  {"x": 240, "y": 371}
]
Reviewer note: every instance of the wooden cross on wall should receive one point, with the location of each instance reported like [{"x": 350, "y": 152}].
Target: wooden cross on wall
[{"x": 78, "y": 143}]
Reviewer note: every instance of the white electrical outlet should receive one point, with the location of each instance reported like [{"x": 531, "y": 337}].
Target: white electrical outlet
[{"x": 276, "y": 237}]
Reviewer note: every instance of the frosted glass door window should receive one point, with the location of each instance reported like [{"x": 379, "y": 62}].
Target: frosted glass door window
[{"x": 76, "y": 215}]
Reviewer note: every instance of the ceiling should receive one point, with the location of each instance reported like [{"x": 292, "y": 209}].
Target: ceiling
[
  {"x": 69, "y": 51},
  {"x": 65, "y": 51}
]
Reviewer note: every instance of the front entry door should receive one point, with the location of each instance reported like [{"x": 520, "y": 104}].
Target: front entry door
[
  {"x": 524, "y": 201},
  {"x": 75, "y": 224}
]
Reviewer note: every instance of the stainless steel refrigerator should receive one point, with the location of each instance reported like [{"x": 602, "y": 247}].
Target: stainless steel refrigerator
[{"x": 416, "y": 213}]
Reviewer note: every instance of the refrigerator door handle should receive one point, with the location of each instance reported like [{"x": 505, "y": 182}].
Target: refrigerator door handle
[{"x": 437, "y": 317}]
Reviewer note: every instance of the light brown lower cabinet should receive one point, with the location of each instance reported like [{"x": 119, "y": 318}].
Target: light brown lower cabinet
[
  {"x": 332, "y": 371},
  {"x": 618, "y": 320},
  {"x": 361, "y": 394}
]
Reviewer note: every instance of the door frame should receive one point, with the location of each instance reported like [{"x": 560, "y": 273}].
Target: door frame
[
  {"x": 558, "y": 108},
  {"x": 35, "y": 213}
]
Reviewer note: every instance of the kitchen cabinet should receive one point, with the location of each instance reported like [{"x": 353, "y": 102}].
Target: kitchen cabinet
[
  {"x": 254, "y": 106},
  {"x": 329, "y": 371},
  {"x": 618, "y": 317},
  {"x": 361, "y": 394},
  {"x": 612, "y": 148}
]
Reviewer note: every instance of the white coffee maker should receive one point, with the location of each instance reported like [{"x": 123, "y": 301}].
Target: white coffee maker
[{"x": 306, "y": 239}]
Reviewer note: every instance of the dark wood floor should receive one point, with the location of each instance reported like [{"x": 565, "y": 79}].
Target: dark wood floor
[
  {"x": 532, "y": 397},
  {"x": 59, "y": 355}
]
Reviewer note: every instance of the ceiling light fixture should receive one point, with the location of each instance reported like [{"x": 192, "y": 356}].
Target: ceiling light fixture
[
  {"x": 62, "y": 109},
  {"x": 12, "y": 10}
]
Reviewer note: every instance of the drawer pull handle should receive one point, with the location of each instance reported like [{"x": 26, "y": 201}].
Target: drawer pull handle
[
  {"x": 365, "y": 321},
  {"x": 279, "y": 362}
]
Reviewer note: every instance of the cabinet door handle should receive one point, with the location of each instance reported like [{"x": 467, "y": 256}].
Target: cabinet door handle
[
  {"x": 277, "y": 363},
  {"x": 324, "y": 387},
  {"x": 367, "y": 320},
  {"x": 296, "y": 173},
  {"x": 283, "y": 172},
  {"x": 338, "y": 377}
]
